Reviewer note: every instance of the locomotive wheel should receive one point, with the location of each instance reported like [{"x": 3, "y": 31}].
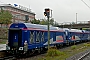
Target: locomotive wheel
[
  {"x": 32, "y": 51},
  {"x": 39, "y": 50},
  {"x": 67, "y": 44},
  {"x": 26, "y": 55},
  {"x": 70, "y": 43},
  {"x": 58, "y": 46},
  {"x": 61, "y": 45}
]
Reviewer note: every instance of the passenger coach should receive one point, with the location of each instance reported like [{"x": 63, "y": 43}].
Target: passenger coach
[{"x": 35, "y": 36}]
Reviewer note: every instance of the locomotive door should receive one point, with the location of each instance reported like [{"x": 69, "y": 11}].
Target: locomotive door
[{"x": 15, "y": 37}]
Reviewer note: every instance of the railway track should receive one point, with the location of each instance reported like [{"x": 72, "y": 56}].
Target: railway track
[
  {"x": 36, "y": 56},
  {"x": 5, "y": 56},
  {"x": 85, "y": 56},
  {"x": 8, "y": 58}
]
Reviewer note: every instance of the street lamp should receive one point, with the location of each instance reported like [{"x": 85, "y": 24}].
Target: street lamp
[{"x": 76, "y": 18}]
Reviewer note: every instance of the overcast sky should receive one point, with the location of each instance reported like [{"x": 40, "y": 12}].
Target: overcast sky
[{"x": 63, "y": 10}]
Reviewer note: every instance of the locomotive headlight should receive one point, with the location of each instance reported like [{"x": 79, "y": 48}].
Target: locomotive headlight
[{"x": 20, "y": 48}]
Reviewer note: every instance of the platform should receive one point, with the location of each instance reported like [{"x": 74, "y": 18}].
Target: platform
[{"x": 2, "y": 47}]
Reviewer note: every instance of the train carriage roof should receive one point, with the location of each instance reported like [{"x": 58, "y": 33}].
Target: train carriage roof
[
  {"x": 75, "y": 30},
  {"x": 29, "y": 25},
  {"x": 26, "y": 25},
  {"x": 86, "y": 31}
]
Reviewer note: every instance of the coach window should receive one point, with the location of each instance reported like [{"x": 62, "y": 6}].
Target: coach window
[
  {"x": 37, "y": 37},
  {"x": 59, "y": 37},
  {"x": 31, "y": 36},
  {"x": 42, "y": 36}
]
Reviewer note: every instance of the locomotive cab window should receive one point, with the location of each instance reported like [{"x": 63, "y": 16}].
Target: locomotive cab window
[{"x": 32, "y": 36}]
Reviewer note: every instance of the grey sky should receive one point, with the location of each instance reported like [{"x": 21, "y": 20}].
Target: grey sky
[{"x": 63, "y": 10}]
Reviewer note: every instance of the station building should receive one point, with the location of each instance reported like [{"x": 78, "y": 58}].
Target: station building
[{"x": 20, "y": 13}]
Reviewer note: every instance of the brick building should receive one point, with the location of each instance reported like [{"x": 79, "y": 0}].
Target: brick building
[{"x": 20, "y": 13}]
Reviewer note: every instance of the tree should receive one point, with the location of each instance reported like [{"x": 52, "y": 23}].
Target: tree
[
  {"x": 5, "y": 17},
  {"x": 52, "y": 21},
  {"x": 44, "y": 22},
  {"x": 73, "y": 23},
  {"x": 35, "y": 21}
]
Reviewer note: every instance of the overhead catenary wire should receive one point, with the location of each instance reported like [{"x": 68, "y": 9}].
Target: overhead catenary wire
[{"x": 86, "y": 3}]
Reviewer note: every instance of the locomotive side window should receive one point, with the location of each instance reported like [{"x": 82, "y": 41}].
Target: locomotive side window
[
  {"x": 32, "y": 36},
  {"x": 42, "y": 36},
  {"x": 37, "y": 37}
]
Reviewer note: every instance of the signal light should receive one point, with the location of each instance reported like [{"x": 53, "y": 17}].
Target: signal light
[
  {"x": 45, "y": 13},
  {"x": 47, "y": 10}
]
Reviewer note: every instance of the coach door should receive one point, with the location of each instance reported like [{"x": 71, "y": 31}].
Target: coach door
[{"x": 15, "y": 37}]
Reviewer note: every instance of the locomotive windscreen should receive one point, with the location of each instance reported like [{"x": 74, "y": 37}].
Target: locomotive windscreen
[{"x": 15, "y": 37}]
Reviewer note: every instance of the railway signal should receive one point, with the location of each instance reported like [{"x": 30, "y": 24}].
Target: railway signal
[{"x": 47, "y": 13}]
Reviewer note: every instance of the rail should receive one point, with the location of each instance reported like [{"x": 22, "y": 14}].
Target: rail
[
  {"x": 83, "y": 56},
  {"x": 8, "y": 58}
]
